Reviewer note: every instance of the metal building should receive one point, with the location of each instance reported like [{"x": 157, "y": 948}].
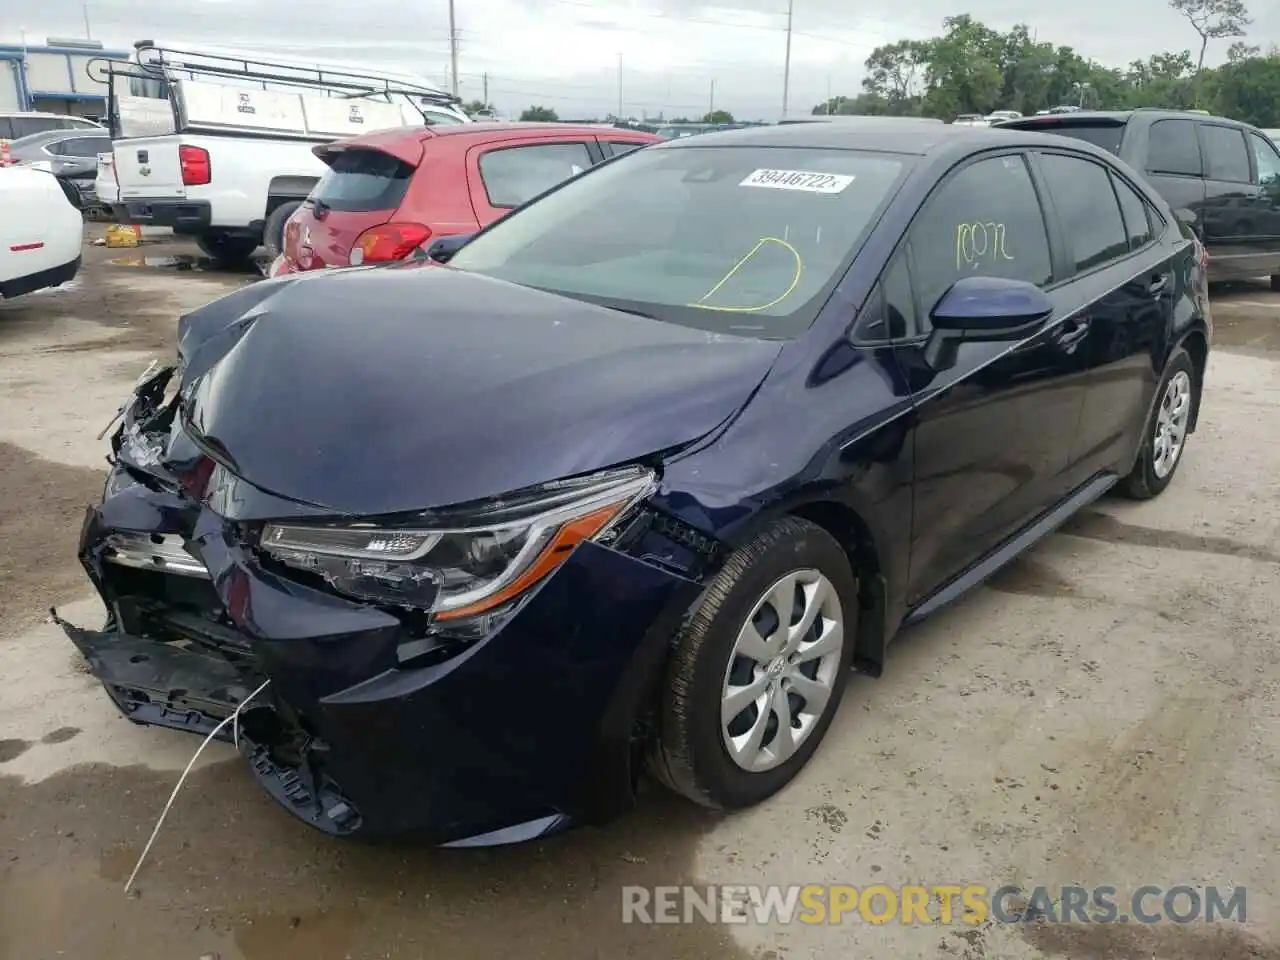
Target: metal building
[{"x": 52, "y": 77}]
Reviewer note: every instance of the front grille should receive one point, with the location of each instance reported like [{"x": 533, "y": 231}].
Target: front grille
[{"x": 161, "y": 552}]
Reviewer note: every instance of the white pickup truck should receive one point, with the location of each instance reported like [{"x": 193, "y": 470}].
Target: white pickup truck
[{"x": 219, "y": 147}]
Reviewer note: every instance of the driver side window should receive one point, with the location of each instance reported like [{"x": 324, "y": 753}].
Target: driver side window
[{"x": 985, "y": 220}]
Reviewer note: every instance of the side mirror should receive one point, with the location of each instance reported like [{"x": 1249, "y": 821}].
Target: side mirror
[
  {"x": 443, "y": 249},
  {"x": 990, "y": 309}
]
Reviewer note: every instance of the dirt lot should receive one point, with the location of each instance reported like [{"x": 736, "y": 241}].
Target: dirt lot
[{"x": 1104, "y": 712}]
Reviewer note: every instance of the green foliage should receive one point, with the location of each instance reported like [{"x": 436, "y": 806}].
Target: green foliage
[
  {"x": 971, "y": 68},
  {"x": 478, "y": 108},
  {"x": 539, "y": 114},
  {"x": 717, "y": 116}
]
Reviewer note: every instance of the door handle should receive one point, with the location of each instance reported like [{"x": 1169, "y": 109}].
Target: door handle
[
  {"x": 1071, "y": 333},
  {"x": 1158, "y": 284}
]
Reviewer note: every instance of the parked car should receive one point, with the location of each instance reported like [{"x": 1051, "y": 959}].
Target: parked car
[
  {"x": 41, "y": 231},
  {"x": 641, "y": 471},
  {"x": 17, "y": 124},
  {"x": 1223, "y": 173},
  {"x": 388, "y": 193},
  {"x": 217, "y": 144},
  {"x": 70, "y": 155}
]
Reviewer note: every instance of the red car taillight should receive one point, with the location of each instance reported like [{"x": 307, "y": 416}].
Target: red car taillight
[
  {"x": 194, "y": 161},
  {"x": 387, "y": 242},
  {"x": 6, "y": 158}
]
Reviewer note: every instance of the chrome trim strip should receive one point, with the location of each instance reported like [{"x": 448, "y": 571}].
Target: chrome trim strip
[{"x": 163, "y": 553}]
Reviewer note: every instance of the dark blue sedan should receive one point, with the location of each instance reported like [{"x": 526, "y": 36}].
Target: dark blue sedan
[{"x": 637, "y": 474}]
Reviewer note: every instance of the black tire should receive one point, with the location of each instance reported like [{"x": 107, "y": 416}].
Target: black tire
[
  {"x": 1143, "y": 483},
  {"x": 688, "y": 753},
  {"x": 273, "y": 231},
  {"x": 227, "y": 250}
]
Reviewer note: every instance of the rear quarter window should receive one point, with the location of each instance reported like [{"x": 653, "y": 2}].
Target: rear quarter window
[
  {"x": 1108, "y": 136},
  {"x": 512, "y": 175},
  {"x": 360, "y": 181}
]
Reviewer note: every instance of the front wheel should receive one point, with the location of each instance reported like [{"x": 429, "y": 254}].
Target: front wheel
[
  {"x": 1165, "y": 436},
  {"x": 759, "y": 670},
  {"x": 227, "y": 250}
]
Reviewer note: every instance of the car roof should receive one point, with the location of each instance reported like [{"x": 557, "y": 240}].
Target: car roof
[
  {"x": 44, "y": 115},
  {"x": 389, "y": 138},
  {"x": 871, "y": 134},
  {"x": 53, "y": 136},
  {"x": 1118, "y": 117}
]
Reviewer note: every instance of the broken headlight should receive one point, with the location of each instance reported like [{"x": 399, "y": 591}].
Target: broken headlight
[{"x": 458, "y": 571}]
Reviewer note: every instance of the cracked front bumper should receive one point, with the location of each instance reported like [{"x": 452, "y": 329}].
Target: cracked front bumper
[{"x": 516, "y": 735}]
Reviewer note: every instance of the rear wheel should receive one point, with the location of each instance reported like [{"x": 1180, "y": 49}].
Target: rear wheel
[
  {"x": 273, "y": 231},
  {"x": 1166, "y": 433},
  {"x": 227, "y": 250},
  {"x": 759, "y": 670}
]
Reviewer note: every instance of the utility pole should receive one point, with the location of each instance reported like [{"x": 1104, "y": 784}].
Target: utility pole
[
  {"x": 828, "y": 94},
  {"x": 88, "y": 34},
  {"x": 786, "y": 69},
  {"x": 711, "y": 103},
  {"x": 620, "y": 115},
  {"x": 453, "y": 51},
  {"x": 486, "y": 89}
]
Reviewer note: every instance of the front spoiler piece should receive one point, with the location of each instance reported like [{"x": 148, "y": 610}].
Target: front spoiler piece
[
  {"x": 159, "y": 684},
  {"x": 162, "y": 685}
]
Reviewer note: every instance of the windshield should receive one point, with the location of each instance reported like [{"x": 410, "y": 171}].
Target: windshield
[{"x": 743, "y": 240}]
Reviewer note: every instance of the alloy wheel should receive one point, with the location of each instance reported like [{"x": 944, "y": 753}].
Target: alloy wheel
[
  {"x": 782, "y": 670},
  {"x": 1172, "y": 419}
]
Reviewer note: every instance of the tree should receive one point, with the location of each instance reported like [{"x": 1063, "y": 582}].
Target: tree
[
  {"x": 539, "y": 114},
  {"x": 894, "y": 74},
  {"x": 1249, "y": 90},
  {"x": 1241, "y": 51},
  {"x": 1212, "y": 19},
  {"x": 717, "y": 116},
  {"x": 478, "y": 107}
]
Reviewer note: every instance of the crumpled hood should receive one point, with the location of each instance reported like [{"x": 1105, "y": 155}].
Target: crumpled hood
[{"x": 389, "y": 390}]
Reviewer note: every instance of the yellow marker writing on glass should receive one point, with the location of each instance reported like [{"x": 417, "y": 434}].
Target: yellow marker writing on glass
[{"x": 795, "y": 280}]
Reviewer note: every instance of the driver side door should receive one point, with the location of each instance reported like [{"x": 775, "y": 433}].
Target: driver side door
[{"x": 994, "y": 431}]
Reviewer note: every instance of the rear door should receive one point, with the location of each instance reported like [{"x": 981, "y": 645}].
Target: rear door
[
  {"x": 77, "y": 157},
  {"x": 1232, "y": 231},
  {"x": 149, "y": 168},
  {"x": 1125, "y": 281},
  {"x": 994, "y": 431},
  {"x": 1171, "y": 159},
  {"x": 362, "y": 189},
  {"x": 505, "y": 174}
]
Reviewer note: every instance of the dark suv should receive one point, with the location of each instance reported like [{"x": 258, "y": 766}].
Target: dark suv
[{"x": 1224, "y": 172}]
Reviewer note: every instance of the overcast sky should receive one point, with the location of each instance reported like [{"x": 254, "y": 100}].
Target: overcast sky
[{"x": 565, "y": 54}]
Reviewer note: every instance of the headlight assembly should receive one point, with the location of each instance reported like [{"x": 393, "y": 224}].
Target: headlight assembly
[{"x": 463, "y": 570}]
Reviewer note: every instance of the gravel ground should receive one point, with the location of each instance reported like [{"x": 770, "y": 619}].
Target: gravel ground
[{"x": 1103, "y": 712}]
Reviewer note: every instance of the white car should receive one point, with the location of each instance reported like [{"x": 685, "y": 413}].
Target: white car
[{"x": 41, "y": 232}]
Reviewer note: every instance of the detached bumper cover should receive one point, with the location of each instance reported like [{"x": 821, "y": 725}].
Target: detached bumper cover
[{"x": 525, "y": 730}]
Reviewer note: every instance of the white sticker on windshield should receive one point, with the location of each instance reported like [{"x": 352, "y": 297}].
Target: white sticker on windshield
[{"x": 805, "y": 180}]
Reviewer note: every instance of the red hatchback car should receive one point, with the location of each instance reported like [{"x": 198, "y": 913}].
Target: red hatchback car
[{"x": 387, "y": 193}]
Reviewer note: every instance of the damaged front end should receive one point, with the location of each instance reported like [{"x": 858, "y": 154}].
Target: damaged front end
[
  {"x": 398, "y": 701},
  {"x": 171, "y": 654}
]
